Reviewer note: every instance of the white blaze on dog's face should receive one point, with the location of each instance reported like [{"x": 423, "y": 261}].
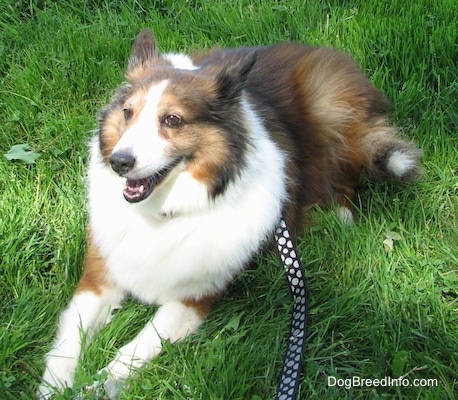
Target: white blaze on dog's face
[
  {"x": 143, "y": 153},
  {"x": 142, "y": 137}
]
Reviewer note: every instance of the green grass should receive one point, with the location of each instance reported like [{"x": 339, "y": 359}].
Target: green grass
[{"x": 373, "y": 313}]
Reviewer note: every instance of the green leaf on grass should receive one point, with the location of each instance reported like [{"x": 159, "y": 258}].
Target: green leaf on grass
[
  {"x": 234, "y": 323},
  {"x": 22, "y": 152},
  {"x": 8, "y": 380},
  {"x": 389, "y": 245},
  {"x": 399, "y": 363},
  {"x": 393, "y": 235},
  {"x": 390, "y": 238}
]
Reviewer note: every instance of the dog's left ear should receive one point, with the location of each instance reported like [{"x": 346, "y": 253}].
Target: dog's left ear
[
  {"x": 142, "y": 57},
  {"x": 231, "y": 80}
]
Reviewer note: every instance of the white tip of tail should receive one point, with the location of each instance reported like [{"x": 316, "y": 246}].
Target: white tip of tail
[{"x": 401, "y": 164}]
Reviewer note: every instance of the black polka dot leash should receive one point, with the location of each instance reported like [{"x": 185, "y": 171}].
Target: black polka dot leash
[{"x": 289, "y": 382}]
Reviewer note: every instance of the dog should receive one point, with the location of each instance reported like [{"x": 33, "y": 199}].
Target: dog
[{"x": 194, "y": 162}]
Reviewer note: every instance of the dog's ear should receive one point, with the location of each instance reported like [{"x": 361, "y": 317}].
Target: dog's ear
[
  {"x": 231, "y": 80},
  {"x": 143, "y": 56}
]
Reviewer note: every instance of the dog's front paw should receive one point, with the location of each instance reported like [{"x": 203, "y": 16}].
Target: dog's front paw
[
  {"x": 45, "y": 392},
  {"x": 106, "y": 386},
  {"x": 113, "y": 387}
]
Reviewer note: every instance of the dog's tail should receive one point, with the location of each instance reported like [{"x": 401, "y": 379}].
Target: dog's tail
[
  {"x": 351, "y": 115},
  {"x": 388, "y": 156}
]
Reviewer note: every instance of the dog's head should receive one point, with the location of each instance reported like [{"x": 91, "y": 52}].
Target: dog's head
[{"x": 172, "y": 117}]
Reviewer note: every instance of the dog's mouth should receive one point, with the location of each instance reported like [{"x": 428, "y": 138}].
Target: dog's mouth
[{"x": 137, "y": 190}]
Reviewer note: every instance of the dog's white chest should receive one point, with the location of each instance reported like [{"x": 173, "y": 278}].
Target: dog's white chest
[{"x": 175, "y": 259}]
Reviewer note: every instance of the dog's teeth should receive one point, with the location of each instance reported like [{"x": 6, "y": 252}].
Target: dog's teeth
[{"x": 141, "y": 189}]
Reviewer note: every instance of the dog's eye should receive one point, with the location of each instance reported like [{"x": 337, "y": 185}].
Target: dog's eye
[
  {"x": 127, "y": 113},
  {"x": 173, "y": 121}
]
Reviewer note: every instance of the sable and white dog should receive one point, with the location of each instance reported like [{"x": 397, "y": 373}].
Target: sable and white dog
[{"x": 194, "y": 162}]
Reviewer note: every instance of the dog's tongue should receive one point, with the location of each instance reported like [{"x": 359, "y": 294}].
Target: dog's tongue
[{"x": 138, "y": 189}]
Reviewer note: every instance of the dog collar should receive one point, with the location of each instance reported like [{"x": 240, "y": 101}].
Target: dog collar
[{"x": 289, "y": 381}]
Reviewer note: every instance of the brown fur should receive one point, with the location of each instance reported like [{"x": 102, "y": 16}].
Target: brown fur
[
  {"x": 316, "y": 104},
  {"x": 203, "y": 306},
  {"x": 321, "y": 110},
  {"x": 95, "y": 273}
]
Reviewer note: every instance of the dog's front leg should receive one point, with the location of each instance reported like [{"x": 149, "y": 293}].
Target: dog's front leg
[
  {"x": 85, "y": 314},
  {"x": 173, "y": 321},
  {"x": 88, "y": 310}
]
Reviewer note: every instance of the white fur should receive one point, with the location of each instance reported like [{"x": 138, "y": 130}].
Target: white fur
[
  {"x": 173, "y": 321},
  {"x": 400, "y": 163},
  {"x": 85, "y": 314},
  {"x": 180, "y": 61},
  {"x": 205, "y": 244},
  {"x": 169, "y": 195},
  {"x": 175, "y": 245}
]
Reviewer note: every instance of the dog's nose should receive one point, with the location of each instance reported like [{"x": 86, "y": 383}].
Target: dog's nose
[{"x": 122, "y": 162}]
